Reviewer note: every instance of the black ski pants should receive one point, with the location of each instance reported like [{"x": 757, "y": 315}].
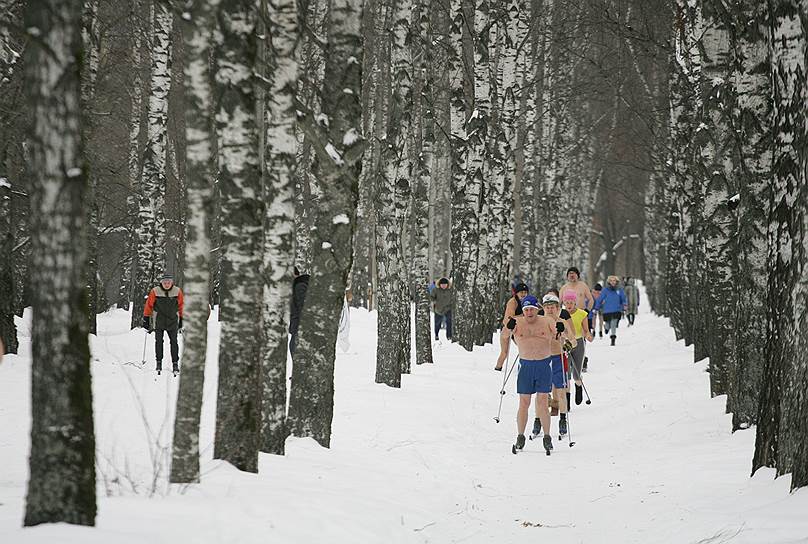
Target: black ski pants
[{"x": 158, "y": 344}]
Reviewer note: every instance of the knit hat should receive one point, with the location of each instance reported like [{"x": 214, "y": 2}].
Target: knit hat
[
  {"x": 167, "y": 277},
  {"x": 443, "y": 281},
  {"x": 530, "y": 302},
  {"x": 519, "y": 287},
  {"x": 570, "y": 295}
]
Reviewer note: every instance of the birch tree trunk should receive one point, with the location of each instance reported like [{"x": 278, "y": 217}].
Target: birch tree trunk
[
  {"x": 238, "y": 408},
  {"x": 127, "y": 292},
  {"x": 421, "y": 157},
  {"x": 278, "y": 193},
  {"x": 197, "y": 31},
  {"x": 61, "y": 486},
  {"x": 751, "y": 116},
  {"x": 151, "y": 212},
  {"x": 91, "y": 39},
  {"x": 339, "y": 145},
  {"x": 393, "y": 349},
  {"x": 459, "y": 106},
  {"x": 783, "y": 415},
  {"x": 8, "y": 331}
]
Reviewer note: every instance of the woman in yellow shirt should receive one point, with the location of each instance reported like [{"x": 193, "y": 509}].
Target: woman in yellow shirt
[{"x": 581, "y": 324}]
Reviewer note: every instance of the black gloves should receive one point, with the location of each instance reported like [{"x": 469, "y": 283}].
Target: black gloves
[
  {"x": 147, "y": 323},
  {"x": 511, "y": 324},
  {"x": 560, "y": 327}
]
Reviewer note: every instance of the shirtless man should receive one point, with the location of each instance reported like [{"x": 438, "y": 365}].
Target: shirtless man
[
  {"x": 512, "y": 309},
  {"x": 533, "y": 333},
  {"x": 580, "y": 288}
]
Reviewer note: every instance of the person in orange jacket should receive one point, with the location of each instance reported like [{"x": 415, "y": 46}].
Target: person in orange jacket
[{"x": 163, "y": 313}]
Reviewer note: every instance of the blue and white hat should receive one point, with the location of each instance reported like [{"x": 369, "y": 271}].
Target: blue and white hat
[{"x": 530, "y": 302}]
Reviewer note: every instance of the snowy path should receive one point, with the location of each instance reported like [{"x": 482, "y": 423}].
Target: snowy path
[{"x": 654, "y": 459}]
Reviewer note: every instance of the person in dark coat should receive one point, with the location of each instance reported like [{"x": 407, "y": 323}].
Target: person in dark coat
[
  {"x": 299, "y": 287},
  {"x": 442, "y": 302},
  {"x": 163, "y": 314}
]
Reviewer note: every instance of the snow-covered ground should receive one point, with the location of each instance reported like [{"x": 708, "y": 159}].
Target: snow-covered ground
[{"x": 654, "y": 459}]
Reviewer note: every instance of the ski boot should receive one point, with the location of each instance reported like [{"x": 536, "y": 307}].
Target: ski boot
[
  {"x": 613, "y": 337},
  {"x": 520, "y": 444},
  {"x": 536, "y": 428},
  {"x": 579, "y": 394},
  {"x": 159, "y": 367},
  {"x": 562, "y": 427},
  {"x": 586, "y": 361},
  {"x": 548, "y": 444},
  {"x": 175, "y": 367}
]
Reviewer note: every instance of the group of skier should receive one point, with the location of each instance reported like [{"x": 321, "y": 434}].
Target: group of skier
[{"x": 550, "y": 335}]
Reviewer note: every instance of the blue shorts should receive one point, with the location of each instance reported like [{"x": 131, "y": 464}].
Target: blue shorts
[
  {"x": 535, "y": 376},
  {"x": 558, "y": 372}
]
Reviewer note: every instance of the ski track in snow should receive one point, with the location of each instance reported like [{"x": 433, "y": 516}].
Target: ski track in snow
[{"x": 654, "y": 459}]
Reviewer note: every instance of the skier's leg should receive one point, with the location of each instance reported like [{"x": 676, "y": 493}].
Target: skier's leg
[
  {"x": 175, "y": 347},
  {"x": 449, "y": 324},
  {"x": 543, "y": 412},
  {"x": 158, "y": 345},
  {"x": 438, "y": 321},
  {"x": 521, "y": 415}
]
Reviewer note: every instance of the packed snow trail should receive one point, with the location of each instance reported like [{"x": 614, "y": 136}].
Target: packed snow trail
[{"x": 654, "y": 459}]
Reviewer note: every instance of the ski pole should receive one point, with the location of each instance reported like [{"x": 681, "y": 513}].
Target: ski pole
[
  {"x": 588, "y": 400},
  {"x": 566, "y": 386},
  {"x": 145, "y": 341},
  {"x": 504, "y": 383}
]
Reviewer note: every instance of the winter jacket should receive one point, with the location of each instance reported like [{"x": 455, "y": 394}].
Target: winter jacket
[
  {"x": 632, "y": 297},
  {"x": 611, "y": 300},
  {"x": 164, "y": 308},
  {"x": 443, "y": 300},
  {"x": 299, "y": 288}
]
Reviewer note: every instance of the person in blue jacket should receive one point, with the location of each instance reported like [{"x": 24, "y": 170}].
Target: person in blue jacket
[{"x": 612, "y": 302}]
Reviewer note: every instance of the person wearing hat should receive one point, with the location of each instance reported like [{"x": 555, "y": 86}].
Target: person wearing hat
[
  {"x": 577, "y": 355},
  {"x": 533, "y": 333},
  {"x": 163, "y": 313},
  {"x": 512, "y": 309},
  {"x": 583, "y": 295},
  {"x": 632, "y": 299},
  {"x": 595, "y": 316},
  {"x": 613, "y": 304},
  {"x": 442, "y": 302}
]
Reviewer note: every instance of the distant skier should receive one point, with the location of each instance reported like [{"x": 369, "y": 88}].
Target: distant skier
[
  {"x": 512, "y": 309},
  {"x": 442, "y": 302},
  {"x": 533, "y": 333},
  {"x": 612, "y": 303},
  {"x": 581, "y": 289},
  {"x": 595, "y": 316},
  {"x": 163, "y": 314},
  {"x": 299, "y": 287},
  {"x": 581, "y": 326},
  {"x": 632, "y": 299}
]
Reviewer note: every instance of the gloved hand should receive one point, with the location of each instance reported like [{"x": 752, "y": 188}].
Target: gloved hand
[
  {"x": 567, "y": 345},
  {"x": 511, "y": 325},
  {"x": 147, "y": 323},
  {"x": 560, "y": 327}
]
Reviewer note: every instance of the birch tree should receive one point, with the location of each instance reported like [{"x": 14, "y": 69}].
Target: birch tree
[
  {"x": 422, "y": 159},
  {"x": 8, "y": 330},
  {"x": 339, "y": 145},
  {"x": 151, "y": 212},
  {"x": 278, "y": 195},
  {"x": 393, "y": 192},
  {"x": 782, "y": 427},
  {"x": 197, "y": 30},
  {"x": 238, "y": 407},
  {"x": 61, "y": 486}
]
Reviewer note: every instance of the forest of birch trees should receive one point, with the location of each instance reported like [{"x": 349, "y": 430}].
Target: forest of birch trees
[{"x": 378, "y": 145}]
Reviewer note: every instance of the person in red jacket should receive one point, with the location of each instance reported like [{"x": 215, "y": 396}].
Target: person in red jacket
[{"x": 163, "y": 313}]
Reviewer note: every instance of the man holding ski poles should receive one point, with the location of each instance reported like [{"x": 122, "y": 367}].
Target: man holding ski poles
[{"x": 533, "y": 334}]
